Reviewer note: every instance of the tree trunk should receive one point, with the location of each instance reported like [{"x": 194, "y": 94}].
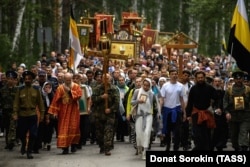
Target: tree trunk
[
  {"x": 180, "y": 15},
  {"x": 159, "y": 14},
  {"x": 134, "y": 5},
  {"x": 216, "y": 29},
  {"x": 32, "y": 29},
  {"x": 191, "y": 32},
  {"x": 58, "y": 25},
  {"x": 104, "y": 5},
  {"x": 143, "y": 9},
  {"x": 18, "y": 25},
  {"x": 222, "y": 33},
  {"x": 40, "y": 25},
  {"x": 197, "y": 34},
  {"x": 194, "y": 30}
]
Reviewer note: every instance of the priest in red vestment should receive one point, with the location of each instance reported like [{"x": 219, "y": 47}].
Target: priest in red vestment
[{"x": 65, "y": 107}]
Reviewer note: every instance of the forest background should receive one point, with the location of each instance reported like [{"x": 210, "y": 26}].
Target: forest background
[{"x": 205, "y": 21}]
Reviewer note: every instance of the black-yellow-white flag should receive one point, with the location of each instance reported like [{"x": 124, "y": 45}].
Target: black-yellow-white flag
[{"x": 239, "y": 39}]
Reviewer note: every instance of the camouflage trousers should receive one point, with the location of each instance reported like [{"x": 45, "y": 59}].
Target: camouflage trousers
[
  {"x": 239, "y": 134},
  {"x": 105, "y": 133},
  {"x": 10, "y": 127},
  {"x": 12, "y": 132}
]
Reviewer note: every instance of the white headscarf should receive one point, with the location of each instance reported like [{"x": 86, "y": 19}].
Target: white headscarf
[
  {"x": 45, "y": 94},
  {"x": 162, "y": 79},
  {"x": 149, "y": 81}
]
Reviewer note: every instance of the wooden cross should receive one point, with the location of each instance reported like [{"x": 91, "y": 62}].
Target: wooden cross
[
  {"x": 178, "y": 42},
  {"x": 106, "y": 56}
]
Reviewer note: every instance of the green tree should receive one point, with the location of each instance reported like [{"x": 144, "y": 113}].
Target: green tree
[
  {"x": 207, "y": 21},
  {"x": 5, "y": 50}
]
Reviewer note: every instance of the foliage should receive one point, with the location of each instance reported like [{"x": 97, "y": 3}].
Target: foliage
[
  {"x": 209, "y": 13},
  {"x": 5, "y": 49}
]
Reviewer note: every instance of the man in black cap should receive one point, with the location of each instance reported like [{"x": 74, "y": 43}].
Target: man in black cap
[
  {"x": 209, "y": 80},
  {"x": 42, "y": 78},
  {"x": 7, "y": 93},
  {"x": 97, "y": 78},
  {"x": 31, "y": 77},
  {"x": 51, "y": 78},
  {"x": 236, "y": 106},
  {"x": 246, "y": 79},
  {"x": 238, "y": 75},
  {"x": 247, "y": 83},
  {"x": 27, "y": 99}
]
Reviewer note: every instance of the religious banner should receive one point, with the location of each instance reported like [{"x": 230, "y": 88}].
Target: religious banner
[
  {"x": 149, "y": 38},
  {"x": 107, "y": 20}
]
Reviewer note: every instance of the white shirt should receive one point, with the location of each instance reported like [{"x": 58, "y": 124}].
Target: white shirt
[
  {"x": 172, "y": 93},
  {"x": 187, "y": 88}
]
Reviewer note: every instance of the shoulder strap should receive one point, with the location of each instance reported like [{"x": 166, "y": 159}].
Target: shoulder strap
[
  {"x": 230, "y": 89},
  {"x": 247, "y": 89}
]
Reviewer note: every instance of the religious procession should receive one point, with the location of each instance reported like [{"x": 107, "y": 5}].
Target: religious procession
[{"x": 130, "y": 84}]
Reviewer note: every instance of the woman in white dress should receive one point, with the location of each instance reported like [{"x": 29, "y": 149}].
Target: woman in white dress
[{"x": 144, "y": 99}]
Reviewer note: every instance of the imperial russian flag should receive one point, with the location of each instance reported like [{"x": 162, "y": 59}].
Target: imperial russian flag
[{"x": 239, "y": 39}]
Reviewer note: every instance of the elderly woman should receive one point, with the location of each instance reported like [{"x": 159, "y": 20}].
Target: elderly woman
[{"x": 144, "y": 100}]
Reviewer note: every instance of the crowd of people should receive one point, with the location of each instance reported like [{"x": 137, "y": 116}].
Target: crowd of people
[{"x": 198, "y": 109}]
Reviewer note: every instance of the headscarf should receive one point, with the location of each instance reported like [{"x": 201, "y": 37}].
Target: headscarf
[
  {"x": 45, "y": 94},
  {"x": 162, "y": 78},
  {"x": 150, "y": 82},
  {"x": 145, "y": 109}
]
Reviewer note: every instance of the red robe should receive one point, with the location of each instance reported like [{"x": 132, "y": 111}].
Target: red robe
[{"x": 65, "y": 106}]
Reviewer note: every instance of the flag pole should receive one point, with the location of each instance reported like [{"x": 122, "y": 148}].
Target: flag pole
[{"x": 231, "y": 52}]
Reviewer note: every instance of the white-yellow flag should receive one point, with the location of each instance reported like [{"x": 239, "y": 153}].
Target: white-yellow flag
[{"x": 74, "y": 42}]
